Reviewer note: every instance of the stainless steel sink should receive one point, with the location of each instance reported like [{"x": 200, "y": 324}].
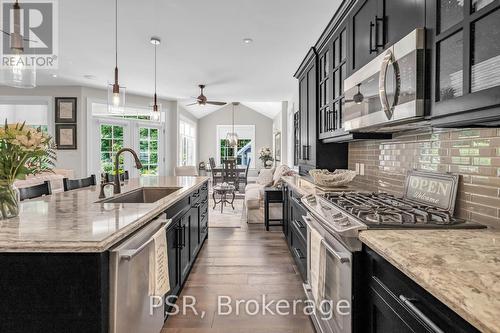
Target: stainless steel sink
[{"x": 141, "y": 195}]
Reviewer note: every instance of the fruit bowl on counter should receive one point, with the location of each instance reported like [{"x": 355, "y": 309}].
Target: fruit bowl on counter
[{"x": 338, "y": 178}]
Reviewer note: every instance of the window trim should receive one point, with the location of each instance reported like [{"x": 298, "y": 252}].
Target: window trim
[{"x": 179, "y": 139}]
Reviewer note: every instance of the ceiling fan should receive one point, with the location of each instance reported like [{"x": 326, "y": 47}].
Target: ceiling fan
[{"x": 202, "y": 99}]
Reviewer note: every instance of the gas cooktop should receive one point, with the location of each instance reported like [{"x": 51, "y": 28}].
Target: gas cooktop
[{"x": 380, "y": 210}]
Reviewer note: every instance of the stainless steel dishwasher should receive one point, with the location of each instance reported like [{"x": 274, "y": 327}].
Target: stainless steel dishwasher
[{"x": 129, "y": 283}]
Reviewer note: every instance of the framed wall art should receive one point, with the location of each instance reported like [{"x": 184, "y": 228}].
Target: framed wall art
[
  {"x": 65, "y": 110},
  {"x": 66, "y": 136}
]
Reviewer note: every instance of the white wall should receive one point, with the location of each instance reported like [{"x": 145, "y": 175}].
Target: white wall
[
  {"x": 66, "y": 159},
  {"x": 207, "y": 130}
]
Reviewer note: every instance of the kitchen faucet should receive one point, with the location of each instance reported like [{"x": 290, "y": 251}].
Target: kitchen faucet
[{"x": 117, "y": 189}]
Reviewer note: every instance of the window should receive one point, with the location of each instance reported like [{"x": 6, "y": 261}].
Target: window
[
  {"x": 148, "y": 150},
  {"x": 245, "y": 150},
  {"x": 187, "y": 142},
  {"x": 35, "y": 115},
  {"x": 111, "y": 142}
]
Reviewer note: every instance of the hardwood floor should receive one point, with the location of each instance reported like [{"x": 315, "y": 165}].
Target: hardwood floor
[{"x": 245, "y": 263}]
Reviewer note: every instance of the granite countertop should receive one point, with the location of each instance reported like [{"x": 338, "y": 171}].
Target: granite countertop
[
  {"x": 72, "y": 221},
  {"x": 461, "y": 268}
]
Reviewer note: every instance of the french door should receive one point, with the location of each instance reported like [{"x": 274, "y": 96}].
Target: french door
[{"x": 110, "y": 135}]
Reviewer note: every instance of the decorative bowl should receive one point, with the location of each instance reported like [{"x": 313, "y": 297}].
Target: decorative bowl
[{"x": 339, "y": 177}]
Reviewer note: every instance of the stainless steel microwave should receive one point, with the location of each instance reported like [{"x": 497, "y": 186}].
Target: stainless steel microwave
[{"x": 389, "y": 90}]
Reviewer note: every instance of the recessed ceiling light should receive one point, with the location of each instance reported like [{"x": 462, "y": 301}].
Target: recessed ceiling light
[
  {"x": 54, "y": 75},
  {"x": 247, "y": 40},
  {"x": 155, "y": 40}
]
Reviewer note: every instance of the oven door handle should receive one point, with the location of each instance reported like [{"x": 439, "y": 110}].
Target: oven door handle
[{"x": 339, "y": 256}]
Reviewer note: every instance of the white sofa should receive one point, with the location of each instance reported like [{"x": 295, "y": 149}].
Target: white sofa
[{"x": 254, "y": 195}]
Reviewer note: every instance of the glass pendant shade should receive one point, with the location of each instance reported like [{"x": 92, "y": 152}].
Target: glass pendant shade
[
  {"x": 20, "y": 74},
  {"x": 155, "y": 113},
  {"x": 20, "y": 71},
  {"x": 232, "y": 139},
  {"x": 116, "y": 99}
]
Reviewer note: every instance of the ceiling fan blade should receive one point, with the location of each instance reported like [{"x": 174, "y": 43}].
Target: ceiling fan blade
[
  {"x": 195, "y": 103},
  {"x": 216, "y": 103}
]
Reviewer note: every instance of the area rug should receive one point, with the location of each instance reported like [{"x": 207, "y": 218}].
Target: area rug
[{"x": 229, "y": 218}]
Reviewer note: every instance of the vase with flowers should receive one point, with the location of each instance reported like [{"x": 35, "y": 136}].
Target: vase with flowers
[
  {"x": 23, "y": 151},
  {"x": 266, "y": 156}
]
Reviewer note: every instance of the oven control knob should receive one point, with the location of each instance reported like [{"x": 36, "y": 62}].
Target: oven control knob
[{"x": 340, "y": 219}]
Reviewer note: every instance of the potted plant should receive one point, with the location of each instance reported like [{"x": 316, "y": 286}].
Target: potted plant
[
  {"x": 23, "y": 151},
  {"x": 266, "y": 156}
]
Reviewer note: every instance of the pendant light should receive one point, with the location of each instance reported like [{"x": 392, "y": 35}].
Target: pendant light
[
  {"x": 232, "y": 137},
  {"x": 116, "y": 94},
  {"x": 155, "y": 110},
  {"x": 22, "y": 73}
]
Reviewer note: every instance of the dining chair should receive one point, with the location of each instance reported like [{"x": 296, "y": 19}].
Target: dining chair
[
  {"x": 73, "y": 184},
  {"x": 109, "y": 178},
  {"x": 244, "y": 175},
  {"x": 35, "y": 191},
  {"x": 187, "y": 170},
  {"x": 216, "y": 176},
  {"x": 230, "y": 174}
]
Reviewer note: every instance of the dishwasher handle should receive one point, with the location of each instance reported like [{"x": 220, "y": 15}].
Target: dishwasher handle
[{"x": 128, "y": 255}]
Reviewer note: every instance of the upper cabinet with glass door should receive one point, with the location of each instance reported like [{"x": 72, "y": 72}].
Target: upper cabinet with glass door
[{"x": 466, "y": 48}]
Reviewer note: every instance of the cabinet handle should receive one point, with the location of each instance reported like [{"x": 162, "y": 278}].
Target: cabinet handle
[
  {"x": 298, "y": 253},
  {"x": 179, "y": 237},
  {"x": 298, "y": 224},
  {"x": 408, "y": 303},
  {"x": 184, "y": 236},
  {"x": 372, "y": 49}
]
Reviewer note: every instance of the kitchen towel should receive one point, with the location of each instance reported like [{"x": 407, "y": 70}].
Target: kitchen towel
[
  {"x": 318, "y": 266},
  {"x": 159, "y": 281}
]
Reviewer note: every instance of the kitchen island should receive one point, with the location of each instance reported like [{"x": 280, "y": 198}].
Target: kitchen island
[{"x": 56, "y": 255}]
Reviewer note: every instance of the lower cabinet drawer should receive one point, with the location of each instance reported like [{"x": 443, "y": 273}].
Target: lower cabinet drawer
[
  {"x": 299, "y": 252},
  {"x": 401, "y": 297}
]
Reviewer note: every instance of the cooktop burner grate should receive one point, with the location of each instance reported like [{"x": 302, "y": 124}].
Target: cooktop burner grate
[{"x": 385, "y": 209}]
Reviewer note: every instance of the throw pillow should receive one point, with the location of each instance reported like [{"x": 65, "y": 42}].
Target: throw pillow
[{"x": 265, "y": 177}]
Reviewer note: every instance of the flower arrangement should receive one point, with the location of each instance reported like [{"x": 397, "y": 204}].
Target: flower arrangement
[
  {"x": 266, "y": 156},
  {"x": 23, "y": 151}
]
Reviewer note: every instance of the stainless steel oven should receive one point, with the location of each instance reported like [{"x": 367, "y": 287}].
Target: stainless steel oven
[
  {"x": 334, "y": 311},
  {"x": 389, "y": 90}
]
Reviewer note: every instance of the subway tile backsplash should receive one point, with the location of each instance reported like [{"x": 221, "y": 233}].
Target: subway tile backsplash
[{"x": 472, "y": 153}]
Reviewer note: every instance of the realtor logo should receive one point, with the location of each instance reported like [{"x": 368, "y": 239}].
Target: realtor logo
[{"x": 36, "y": 22}]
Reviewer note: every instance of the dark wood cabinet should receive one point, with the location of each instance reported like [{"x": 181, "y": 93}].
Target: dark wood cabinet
[
  {"x": 466, "y": 62},
  {"x": 366, "y": 22},
  {"x": 307, "y": 104},
  {"x": 296, "y": 138},
  {"x": 377, "y": 24},
  {"x": 394, "y": 303},
  {"x": 294, "y": 229},
  {"x": 184, "y": 247}
]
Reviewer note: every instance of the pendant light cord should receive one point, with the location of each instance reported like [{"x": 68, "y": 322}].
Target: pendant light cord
[
  {"x": 116, "y": 33},
  {"x": 155, "y": 67}
]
